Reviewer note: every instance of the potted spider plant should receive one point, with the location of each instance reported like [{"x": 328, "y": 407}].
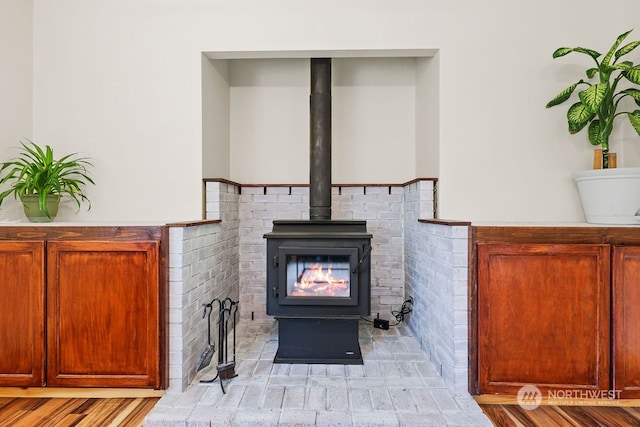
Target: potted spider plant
[
  {"x": 40, "y": 180},
  {"x": 610, "y": 91}
]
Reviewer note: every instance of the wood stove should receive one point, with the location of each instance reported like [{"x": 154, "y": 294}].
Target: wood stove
[
  {"x": 319, "y": 271},
  {"x": 318, "y": 287},
  {"x": 318, "y": 268}
]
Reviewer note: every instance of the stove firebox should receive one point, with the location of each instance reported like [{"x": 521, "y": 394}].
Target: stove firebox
[
  {"x": 318, "y": 287},
  {"x": 318, "y": 268}
]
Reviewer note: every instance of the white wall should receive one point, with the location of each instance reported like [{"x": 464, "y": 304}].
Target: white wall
[
  {"x": 215, "y": 118},
  {"x": 427, "y": 117},
  {"x": 122, "y": 81},
  {"x": 373, "y": 109},
  {"x": 269, "y": 121},
  {"x": 374, "y": 120},
  {"x": 503, "y": 155},
  {"x": 16, "y": 64},
  {"x": 629, "y": 150}
]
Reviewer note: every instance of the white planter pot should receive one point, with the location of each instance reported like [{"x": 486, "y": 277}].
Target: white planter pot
[{"x": 610, "y": 196}]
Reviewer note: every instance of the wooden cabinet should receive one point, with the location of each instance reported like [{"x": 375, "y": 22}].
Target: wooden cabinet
[
  {"x": 22, "y": 325},
  {"x": 102, "y": 314},
  {"x": 555, "y": 307},
  {"x": 79, "y": 312},
  {"x": 626, "y": 321},
  {"x": 543, "y": 316}
]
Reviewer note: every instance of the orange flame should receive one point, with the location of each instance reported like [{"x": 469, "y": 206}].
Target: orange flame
[{"x": 319, "y": 281}]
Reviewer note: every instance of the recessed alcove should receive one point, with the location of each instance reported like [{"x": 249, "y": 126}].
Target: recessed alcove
[
  {"x": 256, "y": 115},
  {"x": 385, "y": 130}
]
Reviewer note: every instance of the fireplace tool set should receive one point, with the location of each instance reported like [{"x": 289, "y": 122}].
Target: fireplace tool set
[{"x": 227, "y": 312}]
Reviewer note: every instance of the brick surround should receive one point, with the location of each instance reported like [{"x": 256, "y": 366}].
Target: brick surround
[
  {"x": 381, "y": 207},
  {"x": 427, "y": 261},
  {"x": 436, "y": 276},
  {"x": 203, "y": 265}
]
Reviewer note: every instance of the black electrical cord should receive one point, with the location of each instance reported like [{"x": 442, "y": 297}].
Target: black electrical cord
[{"x": 406, "y": 308}]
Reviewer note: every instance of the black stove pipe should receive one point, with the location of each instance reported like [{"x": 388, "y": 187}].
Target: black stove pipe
[{"x": 320, "y": 139}]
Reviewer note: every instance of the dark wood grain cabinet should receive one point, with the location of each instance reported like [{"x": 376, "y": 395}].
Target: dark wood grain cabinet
[
  {"x": 555, "y": 307},
  {"x": 543, "y": 317},
  {"x": 102, "y": 314},
  {"x": 82, "y": 313},
  {"x": 22, "y": 313},
  {"x": 626, "y": 321}
]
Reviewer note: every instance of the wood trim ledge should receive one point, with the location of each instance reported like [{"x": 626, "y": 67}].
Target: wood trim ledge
[
  {"x": 452, "y": 223},
  {"x": 194, "y": 223}
]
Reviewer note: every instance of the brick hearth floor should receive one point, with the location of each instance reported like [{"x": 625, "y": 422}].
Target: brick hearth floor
[{"x": 396, "y": 386}]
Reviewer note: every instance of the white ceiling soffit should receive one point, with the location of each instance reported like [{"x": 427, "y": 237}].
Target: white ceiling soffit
[{"x": 371, "y": 53}]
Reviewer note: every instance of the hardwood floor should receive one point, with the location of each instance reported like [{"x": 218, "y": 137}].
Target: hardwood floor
[
  {"x": 67, "y": 412},
  {"x": 571, "y": 416},
  {"x": 505, "y": 412},
  {"x": 130, "y": 412}
]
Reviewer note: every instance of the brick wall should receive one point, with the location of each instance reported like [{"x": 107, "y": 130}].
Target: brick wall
[
  {"x": 426, "y": 261},
  {"x": 436, "y": 275},
  {"x": 203, "y": 265},
  {"x": 381, "y": 207}
]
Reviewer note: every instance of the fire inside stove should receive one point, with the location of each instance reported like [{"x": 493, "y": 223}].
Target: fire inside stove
[{"x": 318, "y": 276}]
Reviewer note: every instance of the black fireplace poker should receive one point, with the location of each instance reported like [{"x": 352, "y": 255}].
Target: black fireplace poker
[{"x": 227, "y": 311}]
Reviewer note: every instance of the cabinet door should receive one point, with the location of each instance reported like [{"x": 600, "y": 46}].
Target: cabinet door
[
  {"x": 626, "y": 321},
  {"x": 543, "y": 317},
  {"x": 103, "y": 314},
  {"x": 22, "y": 336}
]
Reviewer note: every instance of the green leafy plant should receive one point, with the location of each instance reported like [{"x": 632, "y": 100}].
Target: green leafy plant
[
  {"x": 598, "y": 103},
  {"x": 36, "y": 171}
]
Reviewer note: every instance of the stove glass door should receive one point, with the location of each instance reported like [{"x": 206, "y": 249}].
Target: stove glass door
[{"x": 318, "y": 276}]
